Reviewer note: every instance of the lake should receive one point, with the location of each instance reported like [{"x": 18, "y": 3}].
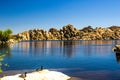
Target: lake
[{"x": 85, "y": 59}]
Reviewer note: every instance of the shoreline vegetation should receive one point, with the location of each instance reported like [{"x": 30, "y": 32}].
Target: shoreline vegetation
[
  {"x": 5, "y": 35},
  {"x": 69, "y": 32},
  {"x": 6, "y": 40}
]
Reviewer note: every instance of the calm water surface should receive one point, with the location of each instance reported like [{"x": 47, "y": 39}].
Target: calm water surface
[{"x": 85, "y": 59}]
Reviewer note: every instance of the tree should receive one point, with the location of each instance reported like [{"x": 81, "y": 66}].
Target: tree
[{"x": 5, "y": 35}]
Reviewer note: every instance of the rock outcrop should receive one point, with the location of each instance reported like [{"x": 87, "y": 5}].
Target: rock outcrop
[
  {"x": 38, "y": 75},
  {"x": 24, "y": 35},
  {"x": 116, "y": 48},
  {"x": 69, "y": 32}
]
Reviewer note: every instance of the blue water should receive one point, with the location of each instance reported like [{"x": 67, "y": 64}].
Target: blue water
[{"x": 71, "y": 56}]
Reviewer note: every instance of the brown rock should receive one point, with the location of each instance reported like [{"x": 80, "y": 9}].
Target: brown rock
[{"x": 69, "y": 32}]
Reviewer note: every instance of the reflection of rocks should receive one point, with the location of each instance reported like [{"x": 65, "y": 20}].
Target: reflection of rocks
[
  {"x": 45, "y": 47},
  {"x": 118, "y": 57},
  {"x": 68, "y": 48},
  {"x": 116, "y": 49},
  {"x": 69, "y": 32}
]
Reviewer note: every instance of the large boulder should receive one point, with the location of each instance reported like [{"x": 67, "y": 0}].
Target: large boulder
[
  {"x": 116, "y": 48},
  {"x": 37, "y": 34},
  {"x": 104, "y": 34},
  {"x": 115, "y": 28},
  {"x": 55, "y": 34},
  {"x": 88, "y": 29},
  {"x": 39, "y": 75},
  {"x": 24, "y": 35},
  {"x": 69, "y": 32}
]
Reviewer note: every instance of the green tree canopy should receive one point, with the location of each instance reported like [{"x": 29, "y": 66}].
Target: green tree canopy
[{"x": 5, "y": 35}]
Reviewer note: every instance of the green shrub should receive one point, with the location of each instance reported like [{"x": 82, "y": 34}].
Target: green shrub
[{"x": 5, "y": 35}]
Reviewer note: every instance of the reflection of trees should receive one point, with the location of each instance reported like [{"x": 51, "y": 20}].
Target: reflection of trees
[
  {"x": 4, "y": 52},
  {"x": 118, "y": 57},
  {"x": 5, "y": 49}
]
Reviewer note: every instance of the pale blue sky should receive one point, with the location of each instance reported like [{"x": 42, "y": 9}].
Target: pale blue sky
[{"x": 20, "y": 15}]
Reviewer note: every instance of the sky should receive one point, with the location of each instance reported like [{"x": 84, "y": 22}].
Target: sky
[{"x": 21, "y": 15}]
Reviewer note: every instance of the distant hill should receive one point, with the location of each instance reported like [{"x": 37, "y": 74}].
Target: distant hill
[{"x": 69, "y": 32}]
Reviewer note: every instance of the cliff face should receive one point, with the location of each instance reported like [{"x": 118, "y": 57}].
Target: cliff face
[{"x": 69, "y": 32}]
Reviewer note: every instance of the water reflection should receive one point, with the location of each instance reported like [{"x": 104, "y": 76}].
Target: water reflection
[
  {"x": 117, "y": 57},
  {"x": 51, "y": 53},
  {"x": 67, "y": 48},
  {"x": 79, "y": 55},
  {"x": 5, "y": 49},
  {"x": 47, "y": 47}
]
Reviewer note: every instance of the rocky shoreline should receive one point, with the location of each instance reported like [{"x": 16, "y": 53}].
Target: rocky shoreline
[
  {"x": 13, "y": 72},
  {"x": 69, "y": 32}
]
